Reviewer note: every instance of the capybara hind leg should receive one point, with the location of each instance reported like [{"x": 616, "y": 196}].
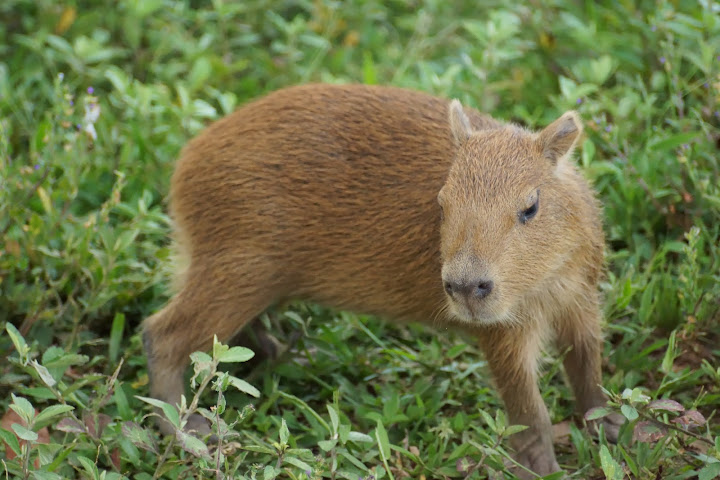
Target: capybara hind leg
[
  {"x": 257, "y": 338},
  {"x": 578, "y": 332},
  {"x": 187, "y": 324}
]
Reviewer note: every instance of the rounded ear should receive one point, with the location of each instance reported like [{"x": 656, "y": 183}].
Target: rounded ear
[
  {"x": 558, "y": 139},
  {"x": 459, "y": 123}
]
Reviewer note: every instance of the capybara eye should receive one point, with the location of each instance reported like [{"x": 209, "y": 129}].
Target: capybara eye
[{"x": 530, "y": 212}]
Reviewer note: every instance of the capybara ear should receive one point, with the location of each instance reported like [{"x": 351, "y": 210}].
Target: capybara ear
[
  {"x": 459, "y": 123},
  {"x": 558, "y": 139}
]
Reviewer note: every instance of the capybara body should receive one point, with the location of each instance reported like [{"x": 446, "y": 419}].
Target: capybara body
[{"x": 395, "y": 203}]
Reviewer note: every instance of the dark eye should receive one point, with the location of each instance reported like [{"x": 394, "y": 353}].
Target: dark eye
[{"x": 530, "y": 212}]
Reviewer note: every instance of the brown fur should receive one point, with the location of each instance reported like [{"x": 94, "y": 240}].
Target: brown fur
[{"x": 330, "y": 194}]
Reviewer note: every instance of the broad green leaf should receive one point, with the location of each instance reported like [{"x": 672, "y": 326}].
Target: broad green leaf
[
  {"x": 17, "y": 339},
  {"x": 270, "y": 472},
  {"x": 51, "y": 412},
  {"x": 381, "y": 437},
  {"x": 667, "y": 405},
  {"x": 673, "y": 141},
  {"x": 327, "y": 445},
  {"x": 597, "y": 412},
  {"x": 121, "y": 402},
  {"x": 629, "y": 412},
  {"x": 359, "y": 437},
  {"x": 10, "y": 440},
  {"x": 138, "y": 436},
  {"x": 89, "y": 467},
  {"x": 298, "y": 463},
  {"x": 70, "y": 425},
  {"x": 44, "y": 373},
  {"x": 512, "y": 429},
  {"x": 236, "y": 354},
  {"x": 344, "y": 453},
  {"x": 41, "y": 475},
  {"x": 260, "y": 449},
  {"x": 243, "y": 386},
  {"x": 612, "y": 469},
  {"x": 709, "y": 471},
  {"x": 284, "y": 433},
  {"x": 116, "y": 334},
  {"x": 334, "y": 419},
  {"x": 23, "y": 433},
  {"x": 170, "y": 411},
  {"x": 488, "y": 419},
  {"x": 192, "y": 444},
  {"x": 23, "y": 408}
]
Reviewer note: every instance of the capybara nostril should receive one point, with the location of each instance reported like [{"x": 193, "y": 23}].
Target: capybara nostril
[{"x": 483, "y": 289}]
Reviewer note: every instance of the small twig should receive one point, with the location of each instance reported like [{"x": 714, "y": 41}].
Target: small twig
[
  {"x": 484, "y": 455},
  {"x": 186, "y": 414},
  {"x": 26, "y": 459},
  {"x": 218, "y": 475},
  {"x": 673, "y": 427}
]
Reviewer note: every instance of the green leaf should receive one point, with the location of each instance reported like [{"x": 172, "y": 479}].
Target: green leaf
[
  {"x": 667, "y": 405},
  {"x": 138, "y": 436},
  {"x": 10, "y": 440},
  {"x": 17, "y": 340},
  {"x": 192, "y": 444},
  {"x": 270, "y": 472},
  {"x": 170, "y": 411},
  {"x": 601, "y": 68},
  {"x": 369, "y": 70},
  {"x": 40, "y": 475},
  {"x": 488, "y": 419},
  {"x": 284, "y": 433},
  {"x": 65, "y": 361},
  {"x": 383, "y": 442},
  {"x": 670, "y": 353},
  {"x": 298, "y": 463},
  {"x": 235, "y": 355},
  {"x": 709, "y": 471},
  {"x": 116, "y": 335},
  {"x": 597, "y": 412},
  {"x": 243, "y": 386},
  {"x": 89, "y": 467},
  {"x": 334, "y": 419},
  {"x": 327, "y": 445},
  {"x": 122, "y": 404},
  {"x": 260, "y": 449},
  {"x": 200, "y": 72},
  {"x": 44, "y": 373},
  {"x": 612, "y": 469},
  {"x": 69, "y": 424},
  {"x": 512, "y": 429},
  {"x": 359, "y": 437},
  {"x": 23, "y": 433},
  {"x": 23, "y": 408},
  {"x": 344, "y": 433},
  {"x": 629, "y": 412},
  {"x": 344, "y": 453},
  {"x": 673, "y": 141},
  {"x": 51, "y": 412},
  {"x": 200, "y": 357}
]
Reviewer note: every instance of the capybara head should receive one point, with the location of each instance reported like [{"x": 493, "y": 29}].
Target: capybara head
[{"x": 509, "y": 216}]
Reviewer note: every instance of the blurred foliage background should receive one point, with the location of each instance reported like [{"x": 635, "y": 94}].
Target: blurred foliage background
[{"x": 96, "y": 101}]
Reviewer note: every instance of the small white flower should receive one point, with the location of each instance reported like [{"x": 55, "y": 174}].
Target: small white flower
[{"x": 92, "y": 113}]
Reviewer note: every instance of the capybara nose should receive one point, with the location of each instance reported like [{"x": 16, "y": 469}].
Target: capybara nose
[{"x": 478, "y": 289}]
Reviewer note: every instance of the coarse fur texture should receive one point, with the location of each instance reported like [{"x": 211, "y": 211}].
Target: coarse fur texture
[{"x": 330, "y": 194}]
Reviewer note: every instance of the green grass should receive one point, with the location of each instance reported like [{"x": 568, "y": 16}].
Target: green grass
[{"x": 95, "y": 103}]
